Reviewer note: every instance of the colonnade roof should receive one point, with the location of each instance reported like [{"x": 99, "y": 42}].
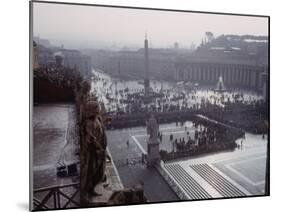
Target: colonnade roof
[{"x": 214, "y": 60}]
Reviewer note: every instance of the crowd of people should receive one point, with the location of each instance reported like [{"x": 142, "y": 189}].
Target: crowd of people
[
  {"x": 126, "y": 98},
  {"x": 207, "y": 137},
  {"x": 57, "y": 75}
]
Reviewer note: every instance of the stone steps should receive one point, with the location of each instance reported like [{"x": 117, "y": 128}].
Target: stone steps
[
  {"x": 222, "y": 185},
  {"x": 189, "y": 185}
]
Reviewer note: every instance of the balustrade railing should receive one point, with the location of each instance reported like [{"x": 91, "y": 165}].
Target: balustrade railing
[{"x": 57, "y": 197}]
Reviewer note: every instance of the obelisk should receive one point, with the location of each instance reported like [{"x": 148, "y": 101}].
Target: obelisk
[{"x": 146, "y": 64}]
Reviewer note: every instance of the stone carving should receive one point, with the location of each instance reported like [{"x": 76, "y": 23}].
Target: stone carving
[
  {"x": 83, "y": 96},
  {"x": 152, "y": 128},
  {"x": 153, "y": 155},
  {"x": 93, "y": 150},
  {"x": 132, "y": 195}
]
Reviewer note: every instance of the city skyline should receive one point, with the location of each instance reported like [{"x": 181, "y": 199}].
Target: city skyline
[{"x": 93, "y": 27}]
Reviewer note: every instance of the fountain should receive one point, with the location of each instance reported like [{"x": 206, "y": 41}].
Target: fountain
[{"x": 220, "y": 86}]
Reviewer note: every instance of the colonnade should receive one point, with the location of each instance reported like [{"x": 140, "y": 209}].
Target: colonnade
[{"x": 234, "y": 75}]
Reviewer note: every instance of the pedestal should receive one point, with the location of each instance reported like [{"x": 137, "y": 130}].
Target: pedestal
[{"x": 153, "y": 155}]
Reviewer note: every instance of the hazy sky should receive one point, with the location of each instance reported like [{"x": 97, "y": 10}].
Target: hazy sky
[{"x": 91, "y": 26}]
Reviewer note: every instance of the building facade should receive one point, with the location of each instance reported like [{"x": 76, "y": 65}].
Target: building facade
[
  {"x": 235, "y": 73},
  {"x": 75, "y": 59},
  {"x": 71, "y": 58},
  {"x": 133, "y": 64}
]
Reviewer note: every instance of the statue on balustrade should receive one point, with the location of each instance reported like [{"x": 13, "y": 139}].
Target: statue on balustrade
[
  {"x": 83, "y": 95},
  {"x": 93, "y": 150}
]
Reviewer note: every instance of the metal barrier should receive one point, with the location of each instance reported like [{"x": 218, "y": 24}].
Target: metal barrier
[
  {"x": 129, "y": 161},
  {"x": 54, "y": 197}
]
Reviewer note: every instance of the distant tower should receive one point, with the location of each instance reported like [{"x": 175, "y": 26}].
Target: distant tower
[{"x": 146, "y": 78}]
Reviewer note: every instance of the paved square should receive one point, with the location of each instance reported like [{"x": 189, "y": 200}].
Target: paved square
[
  {"x": 253, "y": 170},
  {"x": 224, "y": 174}
]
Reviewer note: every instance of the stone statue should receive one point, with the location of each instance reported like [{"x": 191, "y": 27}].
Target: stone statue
[
  {"x": 132, "y": 195},
  {"x": 83, "y": 97},
  {"x": 93, "y": 151},
  {"x": 152, "y": 128},
  {"x": 153, "y": 155}
]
